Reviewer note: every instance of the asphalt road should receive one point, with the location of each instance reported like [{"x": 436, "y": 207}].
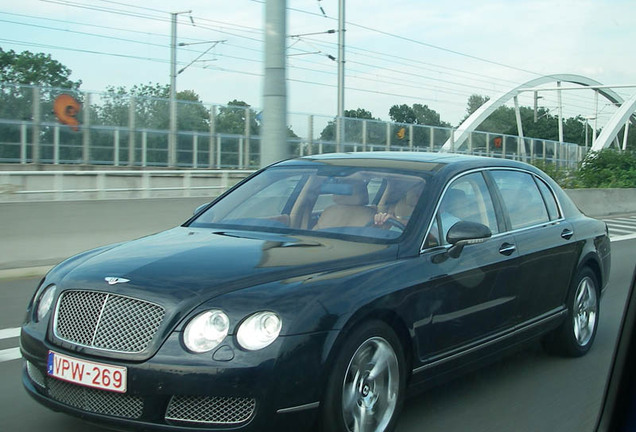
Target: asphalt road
[{"x": 527, "y": 391}]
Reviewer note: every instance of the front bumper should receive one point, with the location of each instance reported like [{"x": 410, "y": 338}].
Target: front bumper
[{"x": 277, "y": 388}]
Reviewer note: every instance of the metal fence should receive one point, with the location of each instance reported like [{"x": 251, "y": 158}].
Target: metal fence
[{"x": 123, "y": 130}]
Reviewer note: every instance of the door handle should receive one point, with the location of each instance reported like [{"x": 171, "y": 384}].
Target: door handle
[
  {"x": 567, "y": 234},
  {"x": 507, "y": 249}
]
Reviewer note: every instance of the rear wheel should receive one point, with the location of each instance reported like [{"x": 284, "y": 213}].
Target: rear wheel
[
  {"x": 575, "y": 336},
  {"x": 365, "y": 390}
]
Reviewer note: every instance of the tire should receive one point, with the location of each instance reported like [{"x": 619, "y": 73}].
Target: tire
[
  {"x": 365, "y": 389},
  {"x": 575, "y": 336}
]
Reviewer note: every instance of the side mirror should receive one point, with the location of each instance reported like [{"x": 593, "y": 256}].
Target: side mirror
[
  {"x": 465, "y": 233},
  {"x": 198, "y": 209}
]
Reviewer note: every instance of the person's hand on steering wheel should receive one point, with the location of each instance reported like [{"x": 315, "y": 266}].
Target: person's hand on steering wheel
[{"x": 385, "y": 219}]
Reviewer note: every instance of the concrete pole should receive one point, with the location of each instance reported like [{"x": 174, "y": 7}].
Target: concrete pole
[
  {"x": 274, "y": 146},
  {"x": 86, "y": 129},
  {"x": 131, "y": 131},
  {"x": 172, "y": 137},
  {"x": 248, "y": 133},
  {"x": 522, "y": 145},
  {"x": 560, "y": 112},
  {"x": 310, "y": 134},
  {"x": 37, "y": 119},
  {"x": 341, "y": 77},
  {"x": 595, "y": 117}
]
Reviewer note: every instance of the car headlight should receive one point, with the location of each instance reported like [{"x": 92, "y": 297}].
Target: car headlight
[
  {"x": 259, "y": 330},
  {"x": 44, "y": 302},
  {"x": 206, "y": 331}
]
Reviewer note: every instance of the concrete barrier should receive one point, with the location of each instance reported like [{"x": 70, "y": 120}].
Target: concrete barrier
[
  {"x": 45, "y": 233},
  {"x": 604, "y": 202}
]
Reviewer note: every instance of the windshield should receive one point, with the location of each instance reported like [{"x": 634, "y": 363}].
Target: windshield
[{"x": 342, "y": 201}]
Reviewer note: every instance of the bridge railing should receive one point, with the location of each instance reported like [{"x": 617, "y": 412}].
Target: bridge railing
[
  {"x": 115, "y": 184},
  {"x": 124, "y": 130}
]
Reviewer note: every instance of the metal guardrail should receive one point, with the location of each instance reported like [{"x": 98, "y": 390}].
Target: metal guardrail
[
  {"x": 119, "y": 184},
  {"x": 222, "y": 137}
]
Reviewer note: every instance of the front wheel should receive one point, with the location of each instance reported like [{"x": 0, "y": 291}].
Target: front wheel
[
  {"x": 365, "y": 390},
  {"x": 575, "y": 336}
]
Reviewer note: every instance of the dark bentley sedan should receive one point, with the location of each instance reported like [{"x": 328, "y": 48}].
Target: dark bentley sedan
[{"x": 316, "y": 292}]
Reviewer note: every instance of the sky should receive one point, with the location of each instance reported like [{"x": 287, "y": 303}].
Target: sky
[{"x": 436, "y": 53}]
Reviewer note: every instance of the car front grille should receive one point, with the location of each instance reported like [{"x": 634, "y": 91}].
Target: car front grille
[
  {"x": 95, "y": 400},
  {"x": 210, "y": 410},
  {"x": 35, "y": 374},
  {"x": 106, "y": 321}
]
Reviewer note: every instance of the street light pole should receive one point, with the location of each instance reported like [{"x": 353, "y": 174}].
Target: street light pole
[
  {"x": 341, "y": 76},
  {"x": 172, "y": 136}
]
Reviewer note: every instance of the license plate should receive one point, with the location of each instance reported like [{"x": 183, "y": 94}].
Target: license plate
[{"x": 87, "y": 373}]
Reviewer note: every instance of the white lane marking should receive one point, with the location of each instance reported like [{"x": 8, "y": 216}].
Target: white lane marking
[
  {"x": 625, "y": 237},
  {"x": 621, "y": 225},
  {"x": 626, "y": 219},
  {"x": 9, "y": 354},
  {"x": 9, "y": 333},
  {"x": 617, "y": 233}
]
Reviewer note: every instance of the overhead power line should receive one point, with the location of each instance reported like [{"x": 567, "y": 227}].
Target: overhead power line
[
  {"x": 40, "y": 45},
  {"x": 375, "y": 62}
]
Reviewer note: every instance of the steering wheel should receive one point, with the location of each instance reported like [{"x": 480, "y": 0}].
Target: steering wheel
[
  {"x": 390, "y": 221},
  {"x": 396, "y": 223}
]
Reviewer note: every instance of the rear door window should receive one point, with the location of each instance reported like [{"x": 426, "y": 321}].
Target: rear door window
[
  {"x": 550, "y": 200},
  {"x": 522, "y": 198}
]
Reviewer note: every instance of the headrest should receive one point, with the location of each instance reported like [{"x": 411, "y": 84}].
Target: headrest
[
  {"x": 358, "y": 195},
  {"x": 405, "y": 206}
]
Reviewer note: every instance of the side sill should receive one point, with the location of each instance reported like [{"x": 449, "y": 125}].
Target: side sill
[
  {"x": 550, "y": 316},
  {"x": 308, "y": 406}
]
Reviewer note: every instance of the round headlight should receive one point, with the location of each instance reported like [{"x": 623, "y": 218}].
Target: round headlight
[
  {"x": 206, "y": 331},
  {"x": 45, "y": 301},
  {"x": 259, "y": 330}
]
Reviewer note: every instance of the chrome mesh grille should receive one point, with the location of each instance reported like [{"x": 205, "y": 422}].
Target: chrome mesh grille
[
  {"x": 78, "y": 315},
  {"x": 107, "y": 321},
  {"x": 94, "y": 400},
  {"x": 35, "y": 374},
  {"x": 210, "y": 410}
]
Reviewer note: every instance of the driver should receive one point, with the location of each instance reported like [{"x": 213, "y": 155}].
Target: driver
[{"x": 402, "y": 210}]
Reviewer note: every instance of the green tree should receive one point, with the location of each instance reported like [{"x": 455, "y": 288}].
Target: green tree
[
  {"x": 152, "y": 108},
  {"x": 417, "y": 114},
  {"x": 420, "y": 115},
  {"x": 503, "y": 121},
  {"x": 474, "y": 102},
  {"x": 34, "y": 69},
  {"x": 608, "y": 168},
  {"x": 18, "y": 72},
  {"x": 231, "y": 118},
  {"x": 28, "y": 69},
  {"x": 353, "y": 128}
]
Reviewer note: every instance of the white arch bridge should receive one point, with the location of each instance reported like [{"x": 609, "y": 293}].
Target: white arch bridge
[{"x": 609, "y": 134}]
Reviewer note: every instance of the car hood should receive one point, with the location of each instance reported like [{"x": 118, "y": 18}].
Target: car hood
[{"x": 183, "y": 263}]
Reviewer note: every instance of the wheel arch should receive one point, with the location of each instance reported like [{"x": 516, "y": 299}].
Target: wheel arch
[
  {"x": 389, "y": 317},
  {"x": 358, "y": 330},
  {"x": 592, "y": 262}
]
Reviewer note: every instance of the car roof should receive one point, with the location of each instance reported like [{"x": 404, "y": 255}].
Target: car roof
[{"x": 421, "y": 161}]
